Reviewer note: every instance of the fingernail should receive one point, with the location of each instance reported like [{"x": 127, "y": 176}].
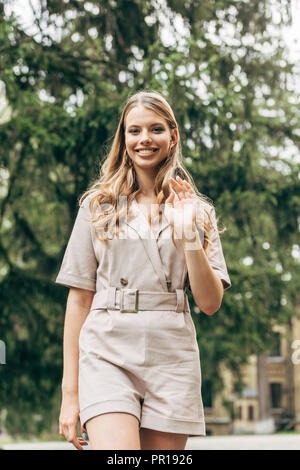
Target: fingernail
[{"x": 84, "y": 435}]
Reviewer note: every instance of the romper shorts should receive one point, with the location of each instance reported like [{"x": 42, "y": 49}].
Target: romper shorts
[{"x": 146, "y": 364}]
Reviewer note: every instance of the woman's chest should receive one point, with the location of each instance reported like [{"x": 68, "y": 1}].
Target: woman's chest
[
  {"x": 152, "y": 212},
  {"x": 146, "y": 260}
]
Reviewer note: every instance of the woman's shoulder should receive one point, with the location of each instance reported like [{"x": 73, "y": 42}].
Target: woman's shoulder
[
  {"x": 205, "y": 204},
  {"x": 85, "y": 201}
]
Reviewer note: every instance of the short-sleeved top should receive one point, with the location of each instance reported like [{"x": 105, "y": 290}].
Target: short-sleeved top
[{"x": 147, "y": 260}]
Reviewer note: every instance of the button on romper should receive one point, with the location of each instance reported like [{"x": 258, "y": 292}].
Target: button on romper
[{"x": 138, "y": 351}]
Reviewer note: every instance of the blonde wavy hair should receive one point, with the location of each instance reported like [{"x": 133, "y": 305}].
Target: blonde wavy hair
[{"x": 118, "y": 177}]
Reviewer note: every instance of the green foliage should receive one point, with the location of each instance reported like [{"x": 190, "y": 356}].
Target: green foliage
[{"x": 231, "y": 86}]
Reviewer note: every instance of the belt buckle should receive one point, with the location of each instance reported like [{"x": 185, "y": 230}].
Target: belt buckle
[{"x": 122, "y": 294}]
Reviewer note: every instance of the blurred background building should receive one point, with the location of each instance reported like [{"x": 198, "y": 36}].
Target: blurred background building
[{"x": 270, "y": 400}]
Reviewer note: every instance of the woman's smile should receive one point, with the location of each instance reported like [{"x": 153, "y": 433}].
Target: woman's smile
[{"x": 147, "y": 152}]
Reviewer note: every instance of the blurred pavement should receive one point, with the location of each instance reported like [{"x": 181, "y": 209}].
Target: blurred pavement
[{"x": 236, "y": 442}]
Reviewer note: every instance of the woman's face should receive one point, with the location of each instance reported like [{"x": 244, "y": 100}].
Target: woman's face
[{"x": 148, "y": 138}]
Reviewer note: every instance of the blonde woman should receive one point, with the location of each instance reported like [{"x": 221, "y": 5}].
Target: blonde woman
[{"x": 143, "y": 234}]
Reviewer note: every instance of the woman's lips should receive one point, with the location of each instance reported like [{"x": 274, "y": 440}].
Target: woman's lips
[{"x": 146, "y": 152}]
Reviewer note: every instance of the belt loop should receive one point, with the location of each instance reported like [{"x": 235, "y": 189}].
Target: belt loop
[
  {"x": 180, "y": 300},
  {"x": 111, "y": 298}
]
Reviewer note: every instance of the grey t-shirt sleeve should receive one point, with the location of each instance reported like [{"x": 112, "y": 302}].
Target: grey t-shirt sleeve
[
  {"x": 79, "y": 264},
  {"x": 214, "y": 253}
]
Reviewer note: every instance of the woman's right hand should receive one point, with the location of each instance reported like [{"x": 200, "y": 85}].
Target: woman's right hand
[{"x": 68, "y": 419}]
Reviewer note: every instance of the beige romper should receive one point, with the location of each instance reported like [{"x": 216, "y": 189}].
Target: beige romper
[{"x": 140, "y": 356}]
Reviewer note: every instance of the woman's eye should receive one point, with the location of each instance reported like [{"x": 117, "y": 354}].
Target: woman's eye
[{"x": 155, "y": 129}]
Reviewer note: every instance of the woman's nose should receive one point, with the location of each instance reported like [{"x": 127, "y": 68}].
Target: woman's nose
[{"x": 145, "y": 137}]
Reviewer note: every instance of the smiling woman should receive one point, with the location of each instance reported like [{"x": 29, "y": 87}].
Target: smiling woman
[{"x": 139, "y": 378}]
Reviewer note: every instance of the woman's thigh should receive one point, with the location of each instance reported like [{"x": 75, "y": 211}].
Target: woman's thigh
[
  {"x": 114, "y": 431},
  {"x": 158, "y": 440}
]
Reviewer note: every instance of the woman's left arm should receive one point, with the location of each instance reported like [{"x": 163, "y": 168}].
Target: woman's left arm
[{"x": 207, "y": 288}]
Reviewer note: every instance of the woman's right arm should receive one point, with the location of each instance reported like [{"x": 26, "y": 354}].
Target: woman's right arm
[{"x": 78, "y": 306}]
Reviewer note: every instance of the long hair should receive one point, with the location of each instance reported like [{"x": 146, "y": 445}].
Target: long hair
[{"x": 118, "y": 178}]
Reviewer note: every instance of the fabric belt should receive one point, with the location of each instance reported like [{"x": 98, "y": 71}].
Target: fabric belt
[{"x": 133, "y": 300}]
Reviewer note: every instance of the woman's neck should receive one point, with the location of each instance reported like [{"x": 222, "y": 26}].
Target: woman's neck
[{"x": 146, "y": 184}]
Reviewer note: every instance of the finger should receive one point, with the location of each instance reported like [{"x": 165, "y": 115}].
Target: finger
[
  {"x": 169, "y": 198},
  {"x": 183, "y": 183},
  {"x": 189, "y": 195},
  {"x": 172, "y": 197},
  {"x": 187, "y": 186},
  {"x": 186, "y": 195},
  {"x": 180, "y": 180},
  {"x": 189, "y": 189},
  {"x": 169, "y": 204},
  {"x": 176, "y": 184},
  {"x": 76, "y": 443},
  {"x": 179, "y": 190},
  {"x": 176, "y": 195},
  {"x": 82, "y": 441},
  {"x": 175, "y": 192},
  {"x": 172, "y": 189}
]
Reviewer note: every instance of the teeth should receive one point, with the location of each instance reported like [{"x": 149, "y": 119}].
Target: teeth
[{"x": 145, "y": 152}]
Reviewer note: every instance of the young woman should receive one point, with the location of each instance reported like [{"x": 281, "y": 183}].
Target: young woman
[{"x": 143, "y": 234}]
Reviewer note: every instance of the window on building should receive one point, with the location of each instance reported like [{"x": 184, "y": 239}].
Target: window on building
[
  {"x": 250, "y": 412},
  {"x": 275, "y": 351},
  {"x": 207, "y": 394},
  {"x": 239, "y": 412},
  {"x": 276, "y": 391}
]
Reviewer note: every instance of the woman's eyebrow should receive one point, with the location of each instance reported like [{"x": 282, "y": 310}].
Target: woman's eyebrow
[{"x": 154, "y": 124}]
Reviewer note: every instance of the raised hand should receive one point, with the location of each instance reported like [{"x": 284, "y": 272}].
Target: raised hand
[{"x": 181, "y": 209}]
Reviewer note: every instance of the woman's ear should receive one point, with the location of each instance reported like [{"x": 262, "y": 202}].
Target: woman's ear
[{"x": 174, "y": 137}]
